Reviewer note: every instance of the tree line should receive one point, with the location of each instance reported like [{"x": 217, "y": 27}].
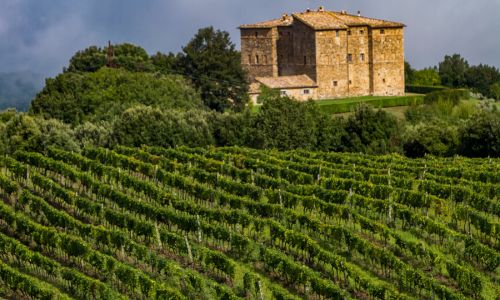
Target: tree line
[{"x": 121, "y": 95}]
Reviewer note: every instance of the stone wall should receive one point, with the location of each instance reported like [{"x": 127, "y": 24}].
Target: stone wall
[
  {"x": 258, "y": 52},
  {"x": 296, "y": 50},
  {"x": 359, "y": 61},
  {"x": 388, "y": 62}
]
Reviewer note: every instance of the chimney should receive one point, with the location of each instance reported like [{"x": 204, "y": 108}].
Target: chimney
[
  {"x": 308, "y": 10},
  {"x": 359, "y": 13},
  {"x": 321, "y": 9}
]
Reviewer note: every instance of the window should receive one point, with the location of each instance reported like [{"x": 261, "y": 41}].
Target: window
[
  {"x": 362, "y": 57},
  {"x": 350, "y": 81},
  {"x": 349, "y": 57},
  {"x": 383, "y": 80},
  {"x": 361, "y": 32},
  {"x": 249, "y": 59},
  {"x": 305, "y": 60},
  {"x": 283, "y": 93},
  {"x": 265, "y": 59},
  {"x": 382, "y": 31},
  {"x": 337, "y": 33},
  {"x": 348, "y": 32},
  {"x": 257, "y": 59},
  {"x": 256, "y": 34},
  {"x": 335, "y": 83},
  {"x": 306, "y": 92}
]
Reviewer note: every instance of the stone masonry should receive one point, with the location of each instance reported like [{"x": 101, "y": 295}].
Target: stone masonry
[{"x": 345, "y": 55}]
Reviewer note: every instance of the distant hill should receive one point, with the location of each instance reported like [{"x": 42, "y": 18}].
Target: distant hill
[{"x": 17, "y": 89}]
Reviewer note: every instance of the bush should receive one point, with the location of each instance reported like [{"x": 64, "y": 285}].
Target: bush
[
  {"x": 423, "y": 89},
  {"x": 480, "y": 136},
  {"x": 78, "y": 97},
  {"x": 285, "y": 124},
  {"x": 452, "y": 95},
  {"x": 232, "y": 129},
  {"x": 145, "y": 125},
  {"x": 371, "y": 131},
  {"x": 437, "y": 139},
  {"x": 33, "y": 133}
]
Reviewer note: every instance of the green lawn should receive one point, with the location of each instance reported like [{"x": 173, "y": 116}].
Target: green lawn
[{"x": 344, "y": 105}]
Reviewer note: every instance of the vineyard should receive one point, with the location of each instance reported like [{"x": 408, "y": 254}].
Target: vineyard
[{"x": 236, "y": 223}]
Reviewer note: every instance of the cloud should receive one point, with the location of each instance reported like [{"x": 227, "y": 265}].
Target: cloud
[{"x": 41, "y": 35}]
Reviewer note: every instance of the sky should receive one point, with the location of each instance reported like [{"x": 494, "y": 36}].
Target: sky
[{"x": 42, "y": 35}]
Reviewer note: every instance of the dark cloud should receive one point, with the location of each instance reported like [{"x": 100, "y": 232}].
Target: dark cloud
[{"x": 41, "y": 35}]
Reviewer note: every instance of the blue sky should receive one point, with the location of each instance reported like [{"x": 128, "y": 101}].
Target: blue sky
[{"x": 41, "y": 35}]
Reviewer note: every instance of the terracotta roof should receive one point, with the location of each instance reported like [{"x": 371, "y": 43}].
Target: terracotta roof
[
  {"x": 321, "y": 20},
  {"x": 324, "y": 20},
  {"x": 284, "y": 21},
  {"x": 287, "y": 82}
]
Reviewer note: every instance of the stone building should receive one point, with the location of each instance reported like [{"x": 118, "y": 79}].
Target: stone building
[{"x": 325, "y": 54}]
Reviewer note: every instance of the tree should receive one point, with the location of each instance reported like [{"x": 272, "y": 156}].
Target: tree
[
  {"x": 165, "y": 63},
  {"x": 480, "y": 136},
  {"x": 212, "y": 63},
  {"x": 287, "y": 124},
  {"x": 101, "y": 95},
  {"x": 371, "y": 131},
  {"x": 145, "y": 125},
  {"x": 428, "y": 76},
  {"x": 409, "y": 71},
  {"x": 452, "y": 71},
  {"x": 33, "y": 133},
  {"x": 480, "y": 78},
  {"x": 438, "y": 139},
  {"x": 495, "y": 90},
  {"x": 127, "y": 56}
]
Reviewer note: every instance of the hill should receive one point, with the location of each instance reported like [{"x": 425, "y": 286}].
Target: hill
[
  {"x": 17, "y": 89},
  {"x": 195, "y": 223}
]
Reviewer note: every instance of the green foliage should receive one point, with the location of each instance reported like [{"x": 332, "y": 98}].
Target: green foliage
[
  {"x": 423, "y": 89},
  {"x": 165, "y": 63},
  {"x": 438, "y": 139},
  {"x": 33, "y": 133},
  {"x": 284, "y": 123},
  {"x": 233, "y": 129},
  {"x": 127, "y": 56},
  {"x": 481, "y": 78},
  {"x": 144, "y": 125},
  {"x": 78, "y": 97},
  {"x": 212, "y": 63},
  {"x": 453, "y": 71},
  {"x": 426, "y": 77},
  {"x": 495, "y": 91},
  {"x": 379, "y": 102},
  {"x": 480, "y": 137},
  {"x": 409, "y": 72},
  {"x": 450, "y": 95},
  {"x": 371, "y": 131}
]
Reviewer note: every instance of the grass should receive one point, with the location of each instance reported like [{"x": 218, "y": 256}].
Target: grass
[{"x": 344, "y": 105}]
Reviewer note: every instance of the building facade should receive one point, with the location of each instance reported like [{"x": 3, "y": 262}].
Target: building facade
[{"x": 344, "y": 55}]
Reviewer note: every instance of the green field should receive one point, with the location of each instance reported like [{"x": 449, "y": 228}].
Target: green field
[
  {"x": 234, "y": 223},
  {"x": 345, "y": 105}
]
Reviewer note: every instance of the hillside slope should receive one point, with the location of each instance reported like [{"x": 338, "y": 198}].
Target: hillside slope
[{"x": 229, "y": 223}]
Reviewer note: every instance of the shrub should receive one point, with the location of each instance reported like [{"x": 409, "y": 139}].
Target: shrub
[
  {"x": 371, "y": 131},
  {"x": 452, "y": 95},
  {"x": 145, "y": 125},
  {"x": 78, "y": 97},
  {"x": 284, "y": 124},
  {"x": 423, "y": 89},
  {"x": 480, "y": 136},
  {"x": 437, "y": 139}
]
